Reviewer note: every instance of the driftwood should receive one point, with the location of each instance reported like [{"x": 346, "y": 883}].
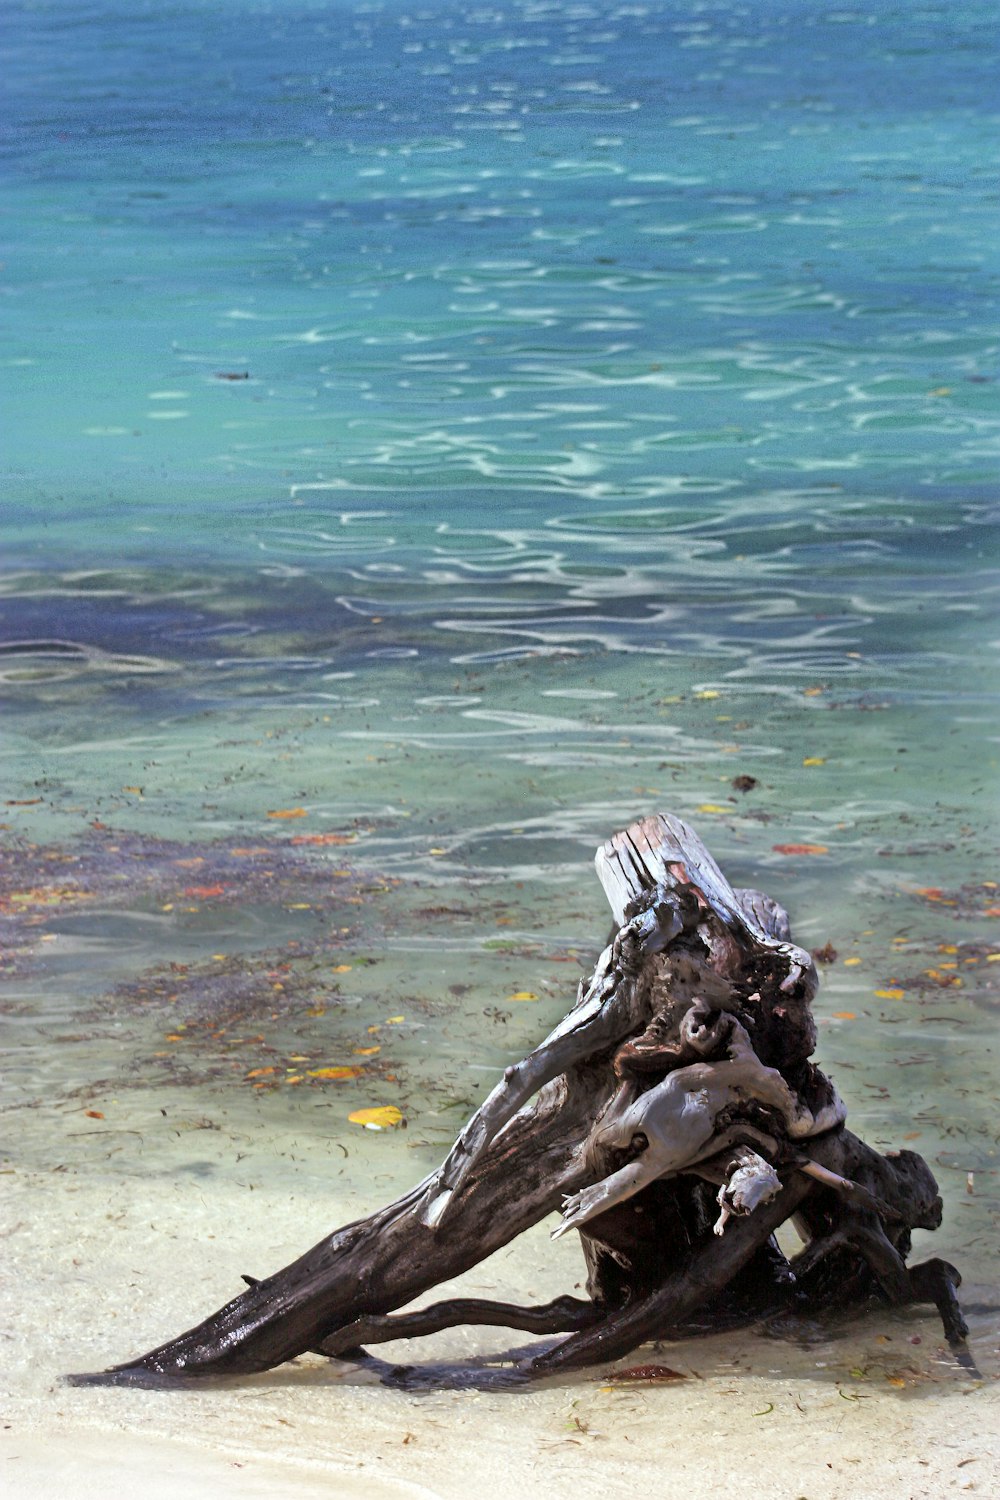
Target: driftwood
[{"x": 675, "y": 1120}]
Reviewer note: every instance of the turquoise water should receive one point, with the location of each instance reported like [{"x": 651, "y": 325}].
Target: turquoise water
[{"x": 460, "y": 431}]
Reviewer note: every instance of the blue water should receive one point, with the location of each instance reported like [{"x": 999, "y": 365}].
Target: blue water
[
  {"x": 470, "y": 428},
  {"x": 653, "y": 328}
]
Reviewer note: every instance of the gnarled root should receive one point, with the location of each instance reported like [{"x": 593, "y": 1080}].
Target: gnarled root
[
  {"x": 559, "y": 1316},
  {"x": 937, "y": 1281},
  {"x": 682, "y": 1294}
]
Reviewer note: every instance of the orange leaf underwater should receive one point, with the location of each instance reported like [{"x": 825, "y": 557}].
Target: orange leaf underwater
[{"x": 800, "y": 849}]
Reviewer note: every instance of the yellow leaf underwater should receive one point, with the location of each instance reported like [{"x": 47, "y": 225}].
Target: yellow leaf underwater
[
  {"x": 522, "y": 995},
  {"x": 335, "y": 1075},
  {"x": 288, "y": 812},
  {"x": 378, "y": 1117}
]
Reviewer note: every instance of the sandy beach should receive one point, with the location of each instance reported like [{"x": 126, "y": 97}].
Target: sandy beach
[{"x": 881, "y": 1411}]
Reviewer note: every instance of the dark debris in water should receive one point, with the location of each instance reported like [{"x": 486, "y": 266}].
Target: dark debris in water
[
  {"x": 212, "y": 1018},
  {"x": 108, "y": 870},
  {"x": 258, "y": 969},
  {"x": 255, "y": 1019},
  {"x": 981, "y": 899},
  {"x": 961, "y": 968}
]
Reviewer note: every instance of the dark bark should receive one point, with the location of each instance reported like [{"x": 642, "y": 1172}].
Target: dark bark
[
  {"x": 559, "y": 1316},
  {"x": 677, "y": 1111}
]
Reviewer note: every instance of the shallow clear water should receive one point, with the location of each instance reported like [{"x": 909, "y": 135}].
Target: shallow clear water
[{"x": 435, "y": 438}]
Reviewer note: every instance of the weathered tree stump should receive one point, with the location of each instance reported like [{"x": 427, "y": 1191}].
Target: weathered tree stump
[{"x": 673, "y": 1117}]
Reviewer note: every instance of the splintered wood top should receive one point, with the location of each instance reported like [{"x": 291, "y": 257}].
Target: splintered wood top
[{"x": 663, "y": 850}]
